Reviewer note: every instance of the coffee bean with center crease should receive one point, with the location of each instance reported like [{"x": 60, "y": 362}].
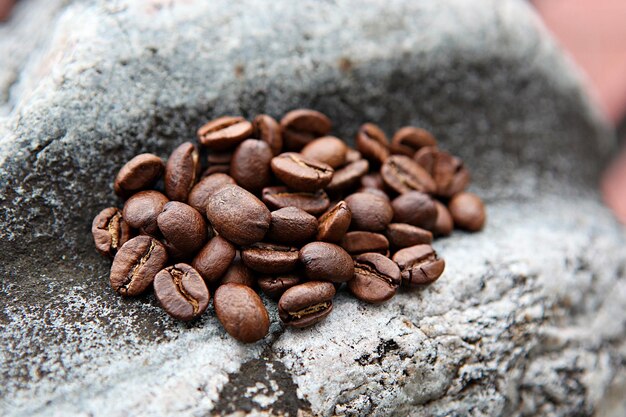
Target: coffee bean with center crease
[
  {"x": 267, "y": 129},
  {"x": 241, "y": 312},
  {"x": 444, "y": 224},
  {"x": 300, "y": 173},
  {"x": 183, "y": 227},
  {"x": 326, "y": 262},
  {"x": 376, "y": 278},
  {"x": 274, "y": 287},
  {"x": 334, "y": 224},
  {"x": 402, "y": 174},
  {"x": 306, "y": 304},
  {"x": 356, "y": 243},
  {"x": 292, "y": 225},
  {"x": 219, "y": 162},
  {"x": 224, "y": 133},
  {"x": 136, "y": 264},
  {"x": 214, "y": 259},
  {"x": 182, "y": 171},
  {"x": 373, "y": 144},
  {"x": 448, "y": 172},
  {"x": 409, "y": 140},
  {"x": 268, "y": 258},
  {"x": 250, "y": 165},
  {"x": 415, "y": 208},
  {"x": 328, "y": 149},
  {"x": 468, "y": 211},
  {"x": 238, "y": 273},
  {"x": 402, "y": 235},
  {"x": 302, "y": 126},
  {"x": 181, "y": 291},
  {"x": 142, "y": 209},
  {"x": 238, "y": 215},
  {"x": 369, "y": 212},
  {"x": 200, "y": 193},
  {"x": 419, "y": 265},
  {"x": 348, "y": 177},
  {"x": 110, "y": 231},
  {"x": 141, "y": 172},
  {"x": 280, "y": 197}
]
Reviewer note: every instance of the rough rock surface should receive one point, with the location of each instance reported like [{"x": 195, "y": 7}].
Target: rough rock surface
[{"x": 528, "y": 318}]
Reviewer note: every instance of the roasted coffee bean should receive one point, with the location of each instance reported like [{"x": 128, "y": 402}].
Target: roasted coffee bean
[
  {"x": 409, "y": 140},
  {"x": 356, "y": 243},
  {"x": 372, "y": 142},
  {"x": 444, "y": 224},
  {"x": 419, "y": 265},
  {"x": 224, "y": 133},
  {"x": 468, "y": 211},
  {"x": 352, "y": 155},
  {"x": 274, "y": 287},
  {"x": 402, "y": 174},
  {"x": 369, "y": 212},
  {"x": 214, "y": 259},
  {"x": 141, "y": 172},
  {"x": 142, "y": 209},
  {"x": 183, "y": 227},
  {"x": 241, "y": 312},
  {"x": 181, "y": 291},
  {"x": 110, "y": 231},
  {"x": 347, "y": 177},
  {"x": 448, "y": 172},
  {"x": 402, "y": 235},
  {"x": 374, "y": 191},
  {"x": 300, "y": 173},
  {"x": 135, "y": 265},
  {"x": 182, "y": 171},
  {"x": 292, "y": 226},
  {"x": 415, "y": 208},
  {"x": 220, "y": 160},
  {"x": 269, "y": 258},
  {"x": 302, "y": 126},
  {"x": 334, "y": 224},
  {"x": 280, "y": 197},
  {"x": 376, "y": 278},
  {"x": 250, "y": 165},
  {"x": 373, "y": 180},
  {"x": 326, "y": 262},
  {"x": 306, "y": 304},
  {"x": 268, "y": 130},
  {"x": 200, "y": 193},
  {"x": 328, "y": 149},
  {"x": 238, "y": 273},
  {"x": 238, "y": 215},
  {"x": 216, "y": 169}
]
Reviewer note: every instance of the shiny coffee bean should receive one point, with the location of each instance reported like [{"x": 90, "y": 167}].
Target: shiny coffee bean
[
  {"x": 415, "y": 208},
  {"x": 181, "y": 291},
  {"x": 214, "y": 259},
  {"x": 183, "y": 227},
  {"x": 334, "y": 224},
  {"x": 224, "y": 133},
  {"x": 373, "y": 144},
  {"x": 328, "y": 149},
  {"x": 142, "y": 209},
  {"x": 136, "y": 264},
  {"x": 348, "y": 177},
  {"x": 402, "y": 235},
  {"x": 401, "y": 174},
  {"x": 356, "y": 243},
  {"x": 181, "y": 172},
  {"x": 274, "y": 287},
  {"x": 448, "y": 172},
  {"x": 250, "y": 165},
  {"x": 326, "y": 262},
  {"x": 302, "y": 126},
  {"x": 419, "y": 265},
  {"x": 409, "y": 140},
  {"x": 376, "y": 278},
  {"x": 268, "y": 130},
  {"x": 444, "y": 224},
  {"x": 280, "y": 197},
  {"x": 306, "y": 304},
  {"x": 291, "y": 225},
  {"x": 200, "y": 193},
  {"x": 218, "y": 162},
  {"x": 241, "y": 312},
  {"x": 140, "y": 173},
  {"x": 300, "y": 173},
  {"x": 369, "y": 212},
  {"x": 238, "y": 273},
  {"x": 269, "y": 258},
  {"x": 468, "y": 211},
  {"x": 110, "y": 231}
]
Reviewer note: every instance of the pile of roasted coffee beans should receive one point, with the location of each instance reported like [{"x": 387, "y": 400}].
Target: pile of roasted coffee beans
[{"x": 285, "y": 208}]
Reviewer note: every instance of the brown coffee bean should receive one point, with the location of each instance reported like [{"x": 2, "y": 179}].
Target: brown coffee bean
[
  {"x": 142, "y": 209},
  {"x": 292, "y": 226},
  {"x": 214, "y": 259},
  {"x": 402, "y": 174},
  {"x": 301, "y": 126},
  {"x": 181, "y": 291},
  {"x": 415, "y": 208},
  {"x": 183, "y": 227},
  {"x": 268, "y": 130},
  {"x": 141, "y": 172},
  {"x": 448, "y": 172},
  {"x": 200, "y": 193},
  {"x": 376, "y": 278},
  {"x": 328, "y": 149},
  {"x": 373, "y": 180},
  {"x": 402, "y": 235},
  {"x": 218, "y": 162},
  {"x": 369, "y": 212},
  {"x": 372, "y": 142},
  {"x": 352, "y": 155},
  {"x": 306, "y": 304},
  {"x": 250, "y": 165},
  {"x": 216, "y": 169},
  {"x": 348, "y": 177},
  {"x": 356, "y": 243},
  {"x": 300, "y": 173},
  {"x": 268, "y": 258},
  {"x": 409, "y": 140},
  {"x": 468, "y": 211},
  {"x": 274, "y": 287},
  {"x": 238, "y": 215},
  {"x": 334, "y": 224},
  {"x": 224, "y": 133},
  {"x": 280, "y": 197},
  {"x": 110, "y": 231},
  {"x": 182, "y": 171},
  {"x": 419, "y": 265},
  {"x": 444, "y": 224},
  {"x": 241, "y": 312},
  {"x": 374, "y": 191},
  {"x": 238, "y": 273},
  {"x": 326, "y": 262},
  {"x": 135, "y": 265}
]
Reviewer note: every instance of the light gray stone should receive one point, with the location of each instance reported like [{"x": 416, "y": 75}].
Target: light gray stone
[{"x": 528, "y": 318}]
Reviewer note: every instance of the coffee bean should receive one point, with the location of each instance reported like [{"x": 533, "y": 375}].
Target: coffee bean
[
  {"x": 181, "y": 172},
  {"x": 372, "y": 142},
  {"x": 224, "y": 133},
  {"x": 369, "y": 212},
  {"x": 402, "y": 174},
  {"x": 141, "y": 172},
  {"x": 300, "y": 173},
  {"x": 250, "y": 165},
  {"x": 218, "y": 162},
  {"x": 142, "y": 209},
  {"x": 376, "y": 278},
  {"x": 448, "y": 172},
  {"x": 241, "y": 312},
  {"x": 352, "y": 155},
  {"x": 402, "y": 235},
  {"x": 238, "y": 215},
  {"x": 328, "y": 149},
  {"x": 419, "y": 265},
  {"x": 280, "y": 197},
  {"x": 268, "y": 130},
  {"x": 214, "y": 259},
  {"x": 274, "y": 287},
  {"x": 326, "y": 262},
  {"x": 334, "y": 224},
  {"x": 409, "y": 140},
  {"x": 374, "y": 191},
  {"x": 292, "y": 225},
  {"x": 200, "y": 193},
  {"x": 356, "y": 243},
  {"x": 373, "y": 180},
  {"x": 302, "y": 126},
  {"x": 216, "y": 169},
  {"x": 468, "y": 211},
  {"x": 238, "y": 273},
  {"x": 306, "y": 304},
  {"x": 183, "y": 227},
  {"x": 415, "y": 208},
  {"x": 268, "y": 258},
  {"x": 135, "y": 265},
  {"x": 444, "y": 224},
  {"x": 110, "y": 231},
  {"x": 348, "y": 177},
  {"x": 181, "y": 291}
]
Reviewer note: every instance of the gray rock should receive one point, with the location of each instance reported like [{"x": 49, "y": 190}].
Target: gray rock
[{"x": 528, "y": 319}]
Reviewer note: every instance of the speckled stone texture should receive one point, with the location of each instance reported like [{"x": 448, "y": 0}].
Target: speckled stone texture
[{"x": 528, "y": 319}]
